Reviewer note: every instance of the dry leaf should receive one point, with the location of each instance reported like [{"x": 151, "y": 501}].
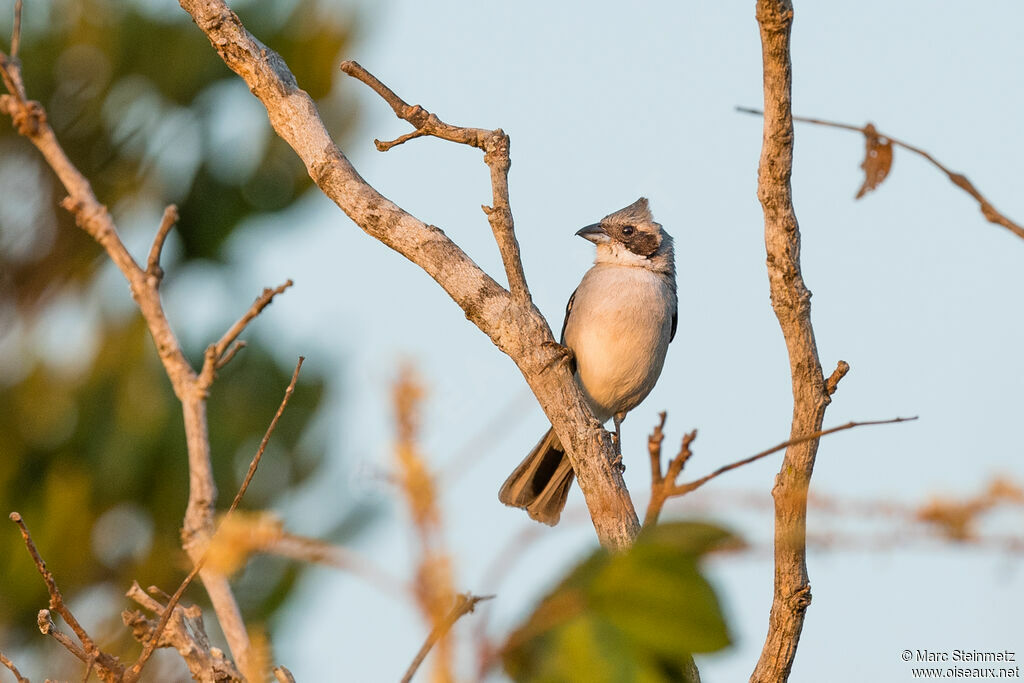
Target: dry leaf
[{"x": 877, "y": 160}]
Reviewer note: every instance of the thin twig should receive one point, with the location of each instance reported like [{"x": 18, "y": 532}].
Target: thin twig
[
  {"x": 661, "y": 486},
  {"x": 16, "y": 30},
  {"x": 255, "y": 463},
  {"x": 170, "y": 217},
  {"x": 958, "y": 179},
  {"x": 230, "y": 353},
  {"x": 215, "y": 352},
  {"x": 154, "y": 639},
  {"x": 44, "y": 620},
  {"x": 495, "y": 145},
  {"x": 108, "y": 664},
  {"x": 13, "y": 669},
  {"x": 464, "y": 604},
  {"x": 683, "y": 489}
]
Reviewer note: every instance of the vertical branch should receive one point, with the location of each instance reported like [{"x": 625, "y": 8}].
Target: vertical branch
[{"x": 791, "y": 302}]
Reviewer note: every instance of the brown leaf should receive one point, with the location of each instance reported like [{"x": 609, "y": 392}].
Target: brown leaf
[{"x": 877, "y": 160}]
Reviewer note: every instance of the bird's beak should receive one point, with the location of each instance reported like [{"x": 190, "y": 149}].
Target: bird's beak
[{"x": 594, "y": 233}]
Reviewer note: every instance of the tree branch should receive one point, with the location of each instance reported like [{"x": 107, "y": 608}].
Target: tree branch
[
  {"x": 495, "y": 145},
  {"x": 665, "y": 487},
  {"x": 8, "y": 663},
  {"x": 107, "y": 667},
  {"x": 154, "y": 640},
  {"x": 791, "y": 302},
  {"x": 182, "y": 629},
  {"x": 170, "y": 217},
  {"x": 512, "y": 323},
  {"x": 958, "y": 179},
  {"x": 464, "y": 604},
  {"x": 92, "y": 216},
  {"x": 217, "y": 355}
]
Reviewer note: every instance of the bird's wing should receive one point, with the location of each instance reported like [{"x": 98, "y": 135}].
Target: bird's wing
[
  {"x": 568, "y": 310},
  {"x": 675, "y": 324}
]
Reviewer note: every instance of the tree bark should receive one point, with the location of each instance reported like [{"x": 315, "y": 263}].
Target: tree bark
[
  {"x": 791, "y": 301},
  {"x": 511, "y": 321}
]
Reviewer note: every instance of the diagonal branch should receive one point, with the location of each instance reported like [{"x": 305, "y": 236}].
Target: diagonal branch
[
  {"x": 218, "y": 354},
  {"x": 958, "y": 179},
  {"x": 13, "y": 669},
  {"x": 495, "y": 145},
  {"x": 464, "y": 604},
  {"x": 512, "y": 322},
  {"x": 107, "y": 666}
]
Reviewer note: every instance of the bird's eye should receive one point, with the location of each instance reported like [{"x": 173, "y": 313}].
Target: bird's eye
[{"x": 628, "y": 230}]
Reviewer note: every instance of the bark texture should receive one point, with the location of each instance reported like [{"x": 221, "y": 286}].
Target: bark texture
[
  {"x": 791, "y": 301},
  {"x": 511, "y": 321}
]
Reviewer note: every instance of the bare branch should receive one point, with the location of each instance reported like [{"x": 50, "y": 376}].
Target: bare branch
[
  {"x": 215, "y": 353},
  {"x": 832, "y": 383},
  {"x": 266, "y": 437},
  {"x": 170, "y": 217},
  {"x": 663, "y": 486},
  {"x": 513, "y": 324},
  {"x": 46, "y": 626},
  {"x": 958, "y": 179},
  {"x": 16, "y": 30},
  {"x": 283, "y": 675},
  {"x": 791, "y": 301},
  {"x": 683, "y": 489},
  {"x": 230, "y": 353},
  {"x": 154, "y": 639},
  {"x": 93, "y": 217},
  {"x": 13, "y": 669},
  {"x": 495, "y": 145},
  {"x": 464, "y": 604},
  {"x": 184, "y": 632},
  {"x": 107, "y": 666}
]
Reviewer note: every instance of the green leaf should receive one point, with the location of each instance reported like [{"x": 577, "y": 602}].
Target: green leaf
[{"x": 634, "y": 616}]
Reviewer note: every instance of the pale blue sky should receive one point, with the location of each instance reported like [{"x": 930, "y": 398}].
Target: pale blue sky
[{"x": 603, "y": 104}]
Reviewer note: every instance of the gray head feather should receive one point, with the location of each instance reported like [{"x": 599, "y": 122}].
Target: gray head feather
[{"x": 637, "y": 212}]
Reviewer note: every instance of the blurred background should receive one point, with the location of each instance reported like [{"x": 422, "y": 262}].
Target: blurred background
[{"x": 911, "y": 286}]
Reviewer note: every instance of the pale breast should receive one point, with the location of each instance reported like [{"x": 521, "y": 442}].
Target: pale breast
[{"x": 619, "y": 330}]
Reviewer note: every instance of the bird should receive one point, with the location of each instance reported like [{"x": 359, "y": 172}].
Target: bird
[{"x": 618, "y": 325}]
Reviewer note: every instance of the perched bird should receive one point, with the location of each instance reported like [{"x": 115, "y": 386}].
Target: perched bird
[{"x": 618, "y": 324}]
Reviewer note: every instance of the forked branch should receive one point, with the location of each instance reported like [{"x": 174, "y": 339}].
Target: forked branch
[
  {"x": 664, "y": 486},
  {"x": 510, "y": 320}
]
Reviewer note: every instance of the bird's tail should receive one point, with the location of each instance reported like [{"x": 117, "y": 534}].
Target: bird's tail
[{"x": 540, "y": 485}]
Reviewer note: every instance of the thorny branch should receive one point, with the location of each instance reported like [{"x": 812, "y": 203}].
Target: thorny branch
[{"x": 958, "y": 179}]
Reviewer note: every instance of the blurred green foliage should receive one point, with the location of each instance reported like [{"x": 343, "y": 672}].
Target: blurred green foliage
[
  {"x": 92, "y": 451},
  {"x": 633, "y": 616}
]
